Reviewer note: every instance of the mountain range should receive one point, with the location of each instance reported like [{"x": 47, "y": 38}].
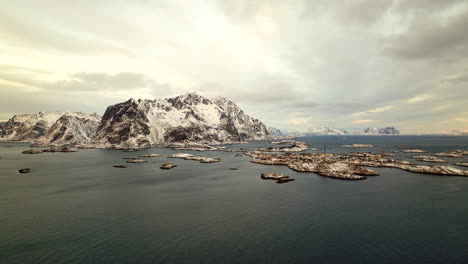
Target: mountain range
[{"x": 140, "y": 123}]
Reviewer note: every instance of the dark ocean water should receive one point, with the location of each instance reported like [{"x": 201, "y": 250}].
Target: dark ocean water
[{"x": 77, "y": 208}]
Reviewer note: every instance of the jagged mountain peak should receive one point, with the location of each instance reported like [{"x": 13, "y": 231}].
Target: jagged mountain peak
[{"x": 189, "y": 117}]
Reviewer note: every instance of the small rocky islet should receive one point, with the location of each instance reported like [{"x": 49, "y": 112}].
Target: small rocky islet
[
  {"x": 187, "y": 156},
  {"x": 52, "y": 150},
  {"x": 413, "y": 151},
  {"x": 150, "y": 156},
  {"x": 279, "y": 177},
  {"x": 136, "y": 161},
  {"x": 168, "y": 165}
]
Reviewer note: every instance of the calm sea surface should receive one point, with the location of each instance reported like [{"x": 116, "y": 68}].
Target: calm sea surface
[{"x": 77, "y": 208}]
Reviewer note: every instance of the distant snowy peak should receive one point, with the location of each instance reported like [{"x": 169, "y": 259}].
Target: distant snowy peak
[
  {"x": 186, "y": 118},
  {"x": 381, "y": 131},
  {"x": 275, "y": 131},
  {"x": 459, "y": 133},
  {"x": 323, "y": 131}
]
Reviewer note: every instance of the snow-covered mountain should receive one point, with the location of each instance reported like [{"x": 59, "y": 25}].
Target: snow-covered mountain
[
  {"x": 28, "y": 126},
  {"x": 71, "y": 128},
  {"x": 50, "y": 127},
  {"x": 381, "y": 131},
  {"x": 186, "y": 118}
]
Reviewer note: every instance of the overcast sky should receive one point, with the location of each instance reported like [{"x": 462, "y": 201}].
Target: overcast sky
[{"x": 292, "y": 64}]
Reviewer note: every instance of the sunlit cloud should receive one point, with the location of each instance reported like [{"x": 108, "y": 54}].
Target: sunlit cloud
[{"x": 363, "y": 121}]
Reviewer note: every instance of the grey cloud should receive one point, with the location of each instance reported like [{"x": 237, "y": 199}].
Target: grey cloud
[
  {"x": 270, "y": 92},
  {"x": 301, "y": 103},
  {"x": 431, "y": 37},
  {"x": 359, "y": 12}
]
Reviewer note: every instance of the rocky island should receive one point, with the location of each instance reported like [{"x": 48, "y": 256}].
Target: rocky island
[{"x": 347, "y": 167}]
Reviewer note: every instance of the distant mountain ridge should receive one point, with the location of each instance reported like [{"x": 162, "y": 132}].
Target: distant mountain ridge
[
  {"x": 381, "y": 131},
  {"x": 320, "y": 131},
  {"x": 459, "y": 133},
  {"x": 323, "y": 131}
]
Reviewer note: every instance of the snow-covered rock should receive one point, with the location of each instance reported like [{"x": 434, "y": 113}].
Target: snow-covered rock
[{"x": 186, "y": 118}]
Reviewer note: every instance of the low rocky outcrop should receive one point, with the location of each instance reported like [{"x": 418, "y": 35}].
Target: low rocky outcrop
[
  {"x": 136, "y": 161},
  {"x": 187, "y": 156},
  {"x": 203, "y": 159},
  {"x": 168, "y": 165},
  {"x": 53, "y": 149},
  {"x": 294, "y": 146},
  {"x": 150, "y": 156},
  {"x": 452, "y": 154},
  {"x": 463, "y": 164},
  {"x": 194, "y": 146},
  {"x": 32, "y": 151},
  {"x": 180, "y": 155},
  {"x": 24, "y": 170},
  {"x": 413, "y": 151},
  {"x": 357, "y": 146},
  {"x": 426, "y": 158},
  {"x": 408, "y": 166},
  {"x": 279, "y": 177}
]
